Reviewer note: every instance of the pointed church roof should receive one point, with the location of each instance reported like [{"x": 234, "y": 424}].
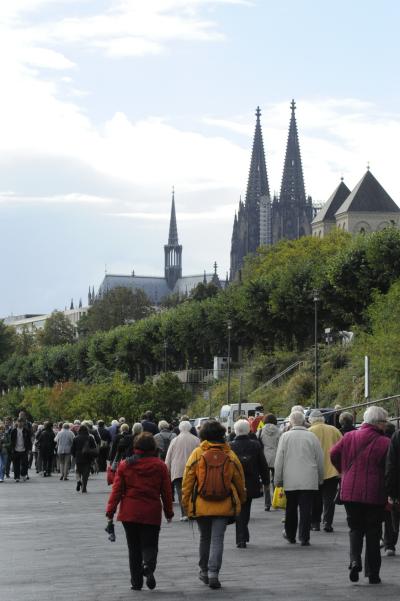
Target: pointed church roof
[
  {"x": 257, "y": 184},
  {"x": 292, "y": 188},
  {"x": 173, "y": 230},
  {"x": 368, "y": 196},
  {"x": 328, "y": 210}
]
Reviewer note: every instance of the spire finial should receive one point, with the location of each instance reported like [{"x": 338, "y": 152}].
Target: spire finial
[
  {"x": 258, "y": 112},
  {"x": 293, "y": 106},
  {"x": 342, "y": 178},
  {"x": 368, "y": 166},
  {"x": 173, "y": 192},
  {"x": 215, "y": 267}
]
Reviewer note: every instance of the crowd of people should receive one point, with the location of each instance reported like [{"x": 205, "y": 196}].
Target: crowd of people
[{"x": 216, "y": 477}]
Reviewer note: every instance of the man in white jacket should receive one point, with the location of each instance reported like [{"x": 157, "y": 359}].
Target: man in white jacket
[
  {"x": 178, "y": 453},
  {"x": 299, "y": 468}
]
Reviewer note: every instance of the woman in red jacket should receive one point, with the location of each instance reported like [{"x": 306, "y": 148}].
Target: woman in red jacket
[
  {"x": 139, "y": 483},
  {"x": 360, "y": 458}
]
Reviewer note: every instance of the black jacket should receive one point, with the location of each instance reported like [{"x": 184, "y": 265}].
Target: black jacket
[
  {"x": 254, "y": 464},
  {"x": 122, "y": 447},
  {"x": 45, "y": 441},
  {"x": 392, "y": 472},
  {"x": 80, "y": 445},
  {"x": 27, "y": 439}
]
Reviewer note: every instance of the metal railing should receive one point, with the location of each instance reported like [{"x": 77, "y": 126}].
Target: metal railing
[
  {"x": 354, "y": 408},
  {"x": 288, "y": 369}
]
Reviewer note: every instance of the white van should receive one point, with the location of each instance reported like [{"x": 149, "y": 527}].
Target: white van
[{"x": 230, "y": 413}]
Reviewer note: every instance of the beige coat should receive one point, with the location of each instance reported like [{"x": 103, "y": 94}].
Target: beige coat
[
  {"x": 328, "y": 436},
  {"x": 179, "y": 452}
]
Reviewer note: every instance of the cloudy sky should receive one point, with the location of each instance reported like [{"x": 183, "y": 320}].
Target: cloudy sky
[{"x": 106, "y": 104}]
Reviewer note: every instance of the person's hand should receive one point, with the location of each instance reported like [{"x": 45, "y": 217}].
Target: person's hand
[{"x": 109, "y": 515}]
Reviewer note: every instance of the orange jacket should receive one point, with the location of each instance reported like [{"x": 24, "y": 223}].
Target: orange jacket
[{"x": 194, "y": 505}]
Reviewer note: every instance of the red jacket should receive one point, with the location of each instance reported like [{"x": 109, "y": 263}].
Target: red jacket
[
  {"x": 363, "y": 482},
  {"x": 137, "y": 489}
]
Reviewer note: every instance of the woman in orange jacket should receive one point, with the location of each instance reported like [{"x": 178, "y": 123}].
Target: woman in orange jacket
[{"x": 213, "y": 489}]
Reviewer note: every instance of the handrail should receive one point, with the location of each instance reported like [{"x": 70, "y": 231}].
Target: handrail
[{"x": 277, "y": 376}]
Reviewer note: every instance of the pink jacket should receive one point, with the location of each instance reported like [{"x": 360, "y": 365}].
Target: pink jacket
[{"x": 363, "y": 482}]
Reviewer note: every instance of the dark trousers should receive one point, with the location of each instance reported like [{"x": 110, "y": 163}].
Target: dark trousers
[
  {"x": 365, "y": 520},
  {"x": 267, "y": 488},
  {"x": 102, "y": 458},
  {"x": 324, "y": 502},
  {"x": 20, "y": 463},
  {"x": 47, "y": 457},
  {"x": 8, "y": 465},
  {"x": 142, "y": 542},
  {"x": 83, "y": 472},
  {"x": 212, "y": 533},
  {"x": 178, "y": 487},
  {"x": 391, "y": 532},
  {"x": 242, "y": 523},
  {"x": 298, "y": 501}
]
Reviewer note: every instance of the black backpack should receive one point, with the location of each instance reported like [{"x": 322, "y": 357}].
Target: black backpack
[{"x": 165, "y": 444}]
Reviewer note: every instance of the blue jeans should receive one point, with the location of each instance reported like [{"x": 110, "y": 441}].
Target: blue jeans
[
  {"x": 212, "y": 532},
  {"x": 3, "y": 463}
]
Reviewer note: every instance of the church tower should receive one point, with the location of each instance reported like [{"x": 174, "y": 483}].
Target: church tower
[
  {"x": 293, "y": 213},
  {"x": 172, "y": 251},
  {"x": 252, "y": 224}
]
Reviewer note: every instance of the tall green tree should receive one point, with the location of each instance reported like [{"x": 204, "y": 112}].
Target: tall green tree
[
  {"x": 57, "y": 330},
  {"x": 7, "y": 341}
]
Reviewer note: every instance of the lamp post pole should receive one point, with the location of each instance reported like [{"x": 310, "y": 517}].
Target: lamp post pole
[
  {"x": 229, "y": 325},
  {"x": 316, "y": 358},
  {"x": 165, "y": 355}
]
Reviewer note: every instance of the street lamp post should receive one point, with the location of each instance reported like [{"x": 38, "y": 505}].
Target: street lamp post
[
  {"x": 316, "y": 359},
  {"x": 229, "y": 325},
  {"x": 165, "y": 355}
]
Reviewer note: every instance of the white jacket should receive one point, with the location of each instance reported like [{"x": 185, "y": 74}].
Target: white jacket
[
  {"x": 179, "y": 452},
  {"x": 64, "y": 439},
  {"x": 299, "y": 463}
]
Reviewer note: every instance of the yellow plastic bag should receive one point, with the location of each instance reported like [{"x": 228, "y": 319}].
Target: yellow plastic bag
[{"x": 279, "y": 498}]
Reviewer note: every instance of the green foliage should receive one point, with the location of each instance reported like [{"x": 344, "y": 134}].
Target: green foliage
[
  {"x": 7, "y": 341},
  {"x": 57, "y": 330},
  {"x": 118, "y": 307},
  {"x": 203, "y": 291}
]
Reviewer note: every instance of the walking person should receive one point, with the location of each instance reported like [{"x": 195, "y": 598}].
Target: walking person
[
  {"x": 20, "y": 445},
  {"x": 163, "y": 438},
  {"x": 392, "y": 485},
  {"x": 64, "y": 439},
  {"x": 324, "y": 499},
  {"x": 84, "y": 449},
  {"x": 268, "y": 437},
  {"x": 256, "y": 474},
  {"x": 122, "y": 447},
  {"x": 299, "y": 468},
  {"x": 141, "y": 480},
  {"x": 179, "y": 451},
  {"x": 105, "y": 444},
  {"x": 360, "y": 459},
  {"x": 47, "y": 447},
  {"x": 5, "y": 445},
  {"x": 213, "y": 490}
]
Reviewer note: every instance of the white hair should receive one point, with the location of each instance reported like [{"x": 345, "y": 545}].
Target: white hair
[
  {"x": 162, "y": 425},
  {"x": 316, "y": 417},
  {"x": 185, "y": 427},
  {"x": 137, "y": 428},
  {"x": 297, "y": 408},
  {"x": 297, "y": 418},
  {"x": 241, "y": 427},
  {"x": 374, "y": 414},
  {"x": 115, "y": 422}
]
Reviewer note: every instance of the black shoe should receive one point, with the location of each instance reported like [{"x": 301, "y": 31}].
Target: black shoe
[
  {"x": 241, "y": 545},
  {"x": 292, "y": 541},
  {"x": 328, "y": 529},
  {"x": 78, "y": 485},
  {"x": 267, "y": 508},
  {"x": 305, "y": 543},
  {"x": 213, "y": 582},
  {"x": 62, "y": 478},
  {"x": 44, "y": 475},
  {"x": 136, "y": 587},
  {"x": 374, "y": 580},
  {"x": 150, "y": 580},
  {"x": 315, "y": 527},
  {"x": 355, "y": 570},
  {"x": 203, "y": 576}
]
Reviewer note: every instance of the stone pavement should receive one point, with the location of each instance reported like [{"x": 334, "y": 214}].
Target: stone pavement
[{"x": 53, "y": 548}]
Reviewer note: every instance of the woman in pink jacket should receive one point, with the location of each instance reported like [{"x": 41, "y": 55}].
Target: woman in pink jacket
[{"x": 360, "y": 459}]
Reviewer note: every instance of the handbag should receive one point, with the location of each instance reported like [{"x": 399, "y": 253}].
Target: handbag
[{"x": 279, "y": 498}]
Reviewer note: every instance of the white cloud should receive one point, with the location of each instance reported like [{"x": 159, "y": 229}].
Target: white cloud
[{"x": 11, "y": 198}]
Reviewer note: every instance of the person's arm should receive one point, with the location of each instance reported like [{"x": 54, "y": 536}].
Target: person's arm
[
  {"x": 278, "y": 477},
  {"x": 166, "y": 493},
  {"x": 189, "y": 480},
  {"x": 263, "y": 466},
  {"x": 392, "y": 468},
  {"x": 336, "y": 455},
  {"x": 319, "y": 455},
  {"x": 116, "y": 492},
  {"x": 168, "y": 458},
  {"x": 239, "y": 479},
  {"x": 73, "y": 448}
]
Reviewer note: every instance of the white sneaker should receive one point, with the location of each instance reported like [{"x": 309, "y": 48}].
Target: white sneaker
[
  {"x": 184, "y": 518},
  {"x": 1, "y": 480}
]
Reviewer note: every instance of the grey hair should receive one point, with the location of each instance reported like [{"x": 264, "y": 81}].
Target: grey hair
[
  {"x": 373, "y": 415},
  {"x": 137, "y": 428},
  {"x": 299, "y": 408},
  {"x": 185, "y": 426},
  {"x": 241, "y": 427},
  {"x": 66, "y": 425},
  {"x": 297, "y": 418},
  {"x": 346, "y": 418},
  {"x": 162, "y": 425}
]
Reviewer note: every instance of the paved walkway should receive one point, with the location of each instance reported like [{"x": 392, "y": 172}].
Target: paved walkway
[{"x": 53, "y": 548}]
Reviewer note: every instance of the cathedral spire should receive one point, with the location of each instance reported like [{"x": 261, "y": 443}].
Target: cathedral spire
[
  {"x": 173, "y": 230},
  {"x": 292, "y": 189},
  {"x": 257, "y": 184}
]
